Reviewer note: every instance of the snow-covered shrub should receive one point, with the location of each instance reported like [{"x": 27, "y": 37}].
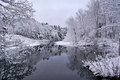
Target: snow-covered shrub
[{"x": 106, "y": 67}]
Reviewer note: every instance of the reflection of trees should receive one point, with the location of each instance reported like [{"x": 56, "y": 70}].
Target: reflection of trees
[
  {"x": 77, "y": 56},
  {"x": 42, "y": 52},
  {"x": 14, "y": 71},
  {"x": 22, "y": 62}
]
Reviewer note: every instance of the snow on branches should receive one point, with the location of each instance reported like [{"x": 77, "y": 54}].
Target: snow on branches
[{"x": 12, "y": 10}]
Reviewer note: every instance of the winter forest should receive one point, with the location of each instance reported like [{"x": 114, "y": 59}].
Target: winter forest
[{"x": 87, "y": 48}]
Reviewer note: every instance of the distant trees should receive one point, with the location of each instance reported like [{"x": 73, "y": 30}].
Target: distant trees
[{"x": 32, "y": 29}]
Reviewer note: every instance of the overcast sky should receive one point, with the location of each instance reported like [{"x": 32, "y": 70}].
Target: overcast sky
[{"x": 56, "y": 12}]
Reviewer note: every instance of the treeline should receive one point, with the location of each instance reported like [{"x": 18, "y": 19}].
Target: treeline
[{"x": 32, "y": 29}]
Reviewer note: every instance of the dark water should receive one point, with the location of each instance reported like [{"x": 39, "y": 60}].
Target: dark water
[{"x": 48, "y": 62}]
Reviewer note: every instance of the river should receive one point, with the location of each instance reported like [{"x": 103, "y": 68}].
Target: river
[{"x": 48, "y": 62}]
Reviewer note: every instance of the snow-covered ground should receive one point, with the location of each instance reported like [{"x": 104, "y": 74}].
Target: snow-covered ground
[
  {"x": 72, "y": 44},
  {"x": 63, "y": 43},
  {"x": 106, "y": 67},
  {"x": 100, "y": 42},
  {"x": 14, "y": 41}
]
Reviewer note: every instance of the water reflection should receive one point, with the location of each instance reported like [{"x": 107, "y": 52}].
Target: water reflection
[
  {"x": 20, "y": 63},
  {"x": 76, "y": 58},
  {"x": 14, "y": 71}
]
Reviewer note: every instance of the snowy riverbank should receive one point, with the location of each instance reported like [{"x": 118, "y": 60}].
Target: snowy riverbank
[
  {"x": 100, "y": 42},
  {"x": 14, "y": 41},
  {"x": 64, "y": 43},
  {"x": 15, "y": 45}
]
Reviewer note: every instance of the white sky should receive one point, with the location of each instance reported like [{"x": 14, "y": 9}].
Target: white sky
[{"x": 56, "y": 12}]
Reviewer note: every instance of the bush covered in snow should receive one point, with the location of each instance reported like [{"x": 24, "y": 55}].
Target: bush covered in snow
[{"x": 106, "y": 67}]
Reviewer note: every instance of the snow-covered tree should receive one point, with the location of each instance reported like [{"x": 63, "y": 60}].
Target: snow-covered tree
[
  {"x": 81, "y": 18},
  {"x": 84, "y": 25},
  {"x": 93, "y": 17},
  {"x": 100, "y": 20},
  {"x": 110, "y": 9},
  {"x": 72, "y": 34},
  {"x": 12, "y": 10}
]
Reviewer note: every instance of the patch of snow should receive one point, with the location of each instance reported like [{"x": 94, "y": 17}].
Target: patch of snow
[
  {"x": 72, "y": 44},
  {"x": 16, "y": 41},
  {"x": 63, "y": 43},
  {"x": 87, "y": 42}
]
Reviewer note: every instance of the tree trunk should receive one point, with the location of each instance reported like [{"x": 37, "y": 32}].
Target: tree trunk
[
  {"x": 75, "y": 36},
  {"x": 119, "y": 47}
]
